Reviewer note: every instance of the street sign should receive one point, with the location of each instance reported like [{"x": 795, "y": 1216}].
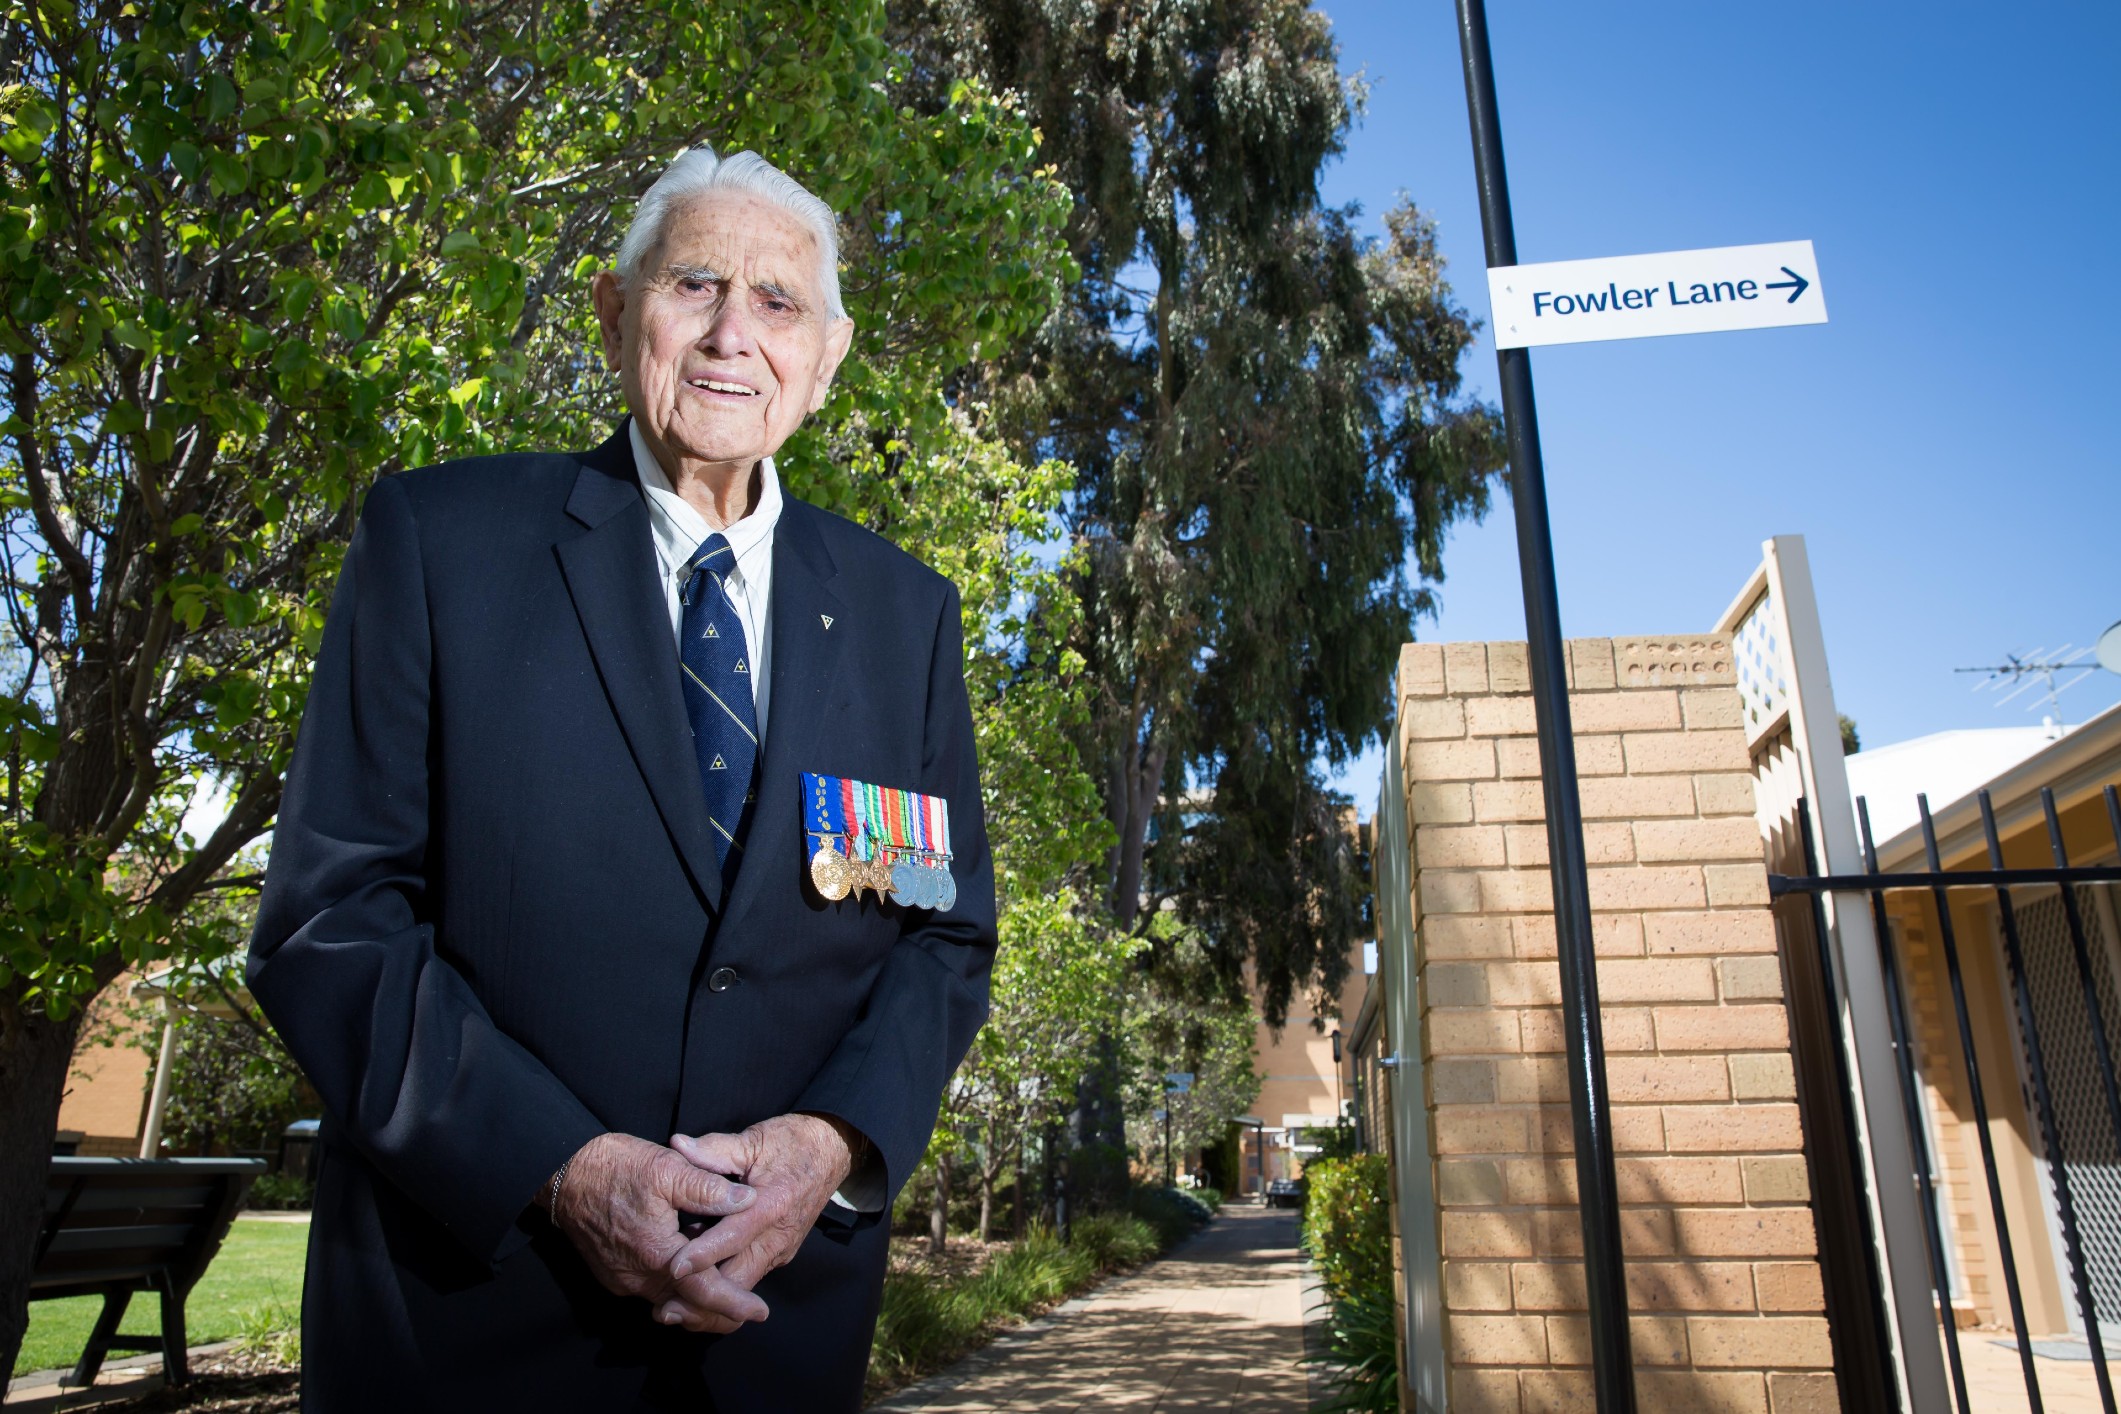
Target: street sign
[
  {"x": 1637, "y": 296},
  {"x": 1178, "y": 1082}
]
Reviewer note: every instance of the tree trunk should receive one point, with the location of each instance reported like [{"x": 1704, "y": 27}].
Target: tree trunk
[
  {"x": 1144, "y": 780},
  {"x": 939, "y": 1211},
  {"x": 986, "y": 1201},
  {"x": 34, "y": 1055},
  {"x": 1017, "y": 1227}
]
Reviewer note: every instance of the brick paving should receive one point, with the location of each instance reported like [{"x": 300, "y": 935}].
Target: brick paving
[
  {"x": 1995, "y": 1381},
  {"x": 1217, "y": 1325}
]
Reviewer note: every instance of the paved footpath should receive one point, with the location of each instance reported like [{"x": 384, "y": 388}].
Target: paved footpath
[{"x": 1217, "y": 1325}]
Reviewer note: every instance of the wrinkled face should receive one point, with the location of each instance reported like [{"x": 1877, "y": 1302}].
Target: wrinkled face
[{"x": 722, "y": 342}]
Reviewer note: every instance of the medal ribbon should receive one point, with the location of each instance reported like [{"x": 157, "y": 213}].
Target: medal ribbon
[{"x": 866, "y": 820}]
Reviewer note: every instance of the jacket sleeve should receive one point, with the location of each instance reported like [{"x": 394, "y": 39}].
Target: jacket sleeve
[
  {"x": 412, "y": 1070},
  {"x": 887, "y": 1075}
]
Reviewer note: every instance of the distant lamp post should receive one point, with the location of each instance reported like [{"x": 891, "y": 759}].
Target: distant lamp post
[
  {"x": 1259, "y": 1133},
  {"x": 1340, "y": 1099},
  {"x": 1176, "y": 1082}
]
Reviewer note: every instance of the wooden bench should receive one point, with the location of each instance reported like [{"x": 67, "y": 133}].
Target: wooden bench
[{"x": 113, "y": 1227}]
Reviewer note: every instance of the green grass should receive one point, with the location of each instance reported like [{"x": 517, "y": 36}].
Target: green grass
[{"x": 254, "y": 1283}]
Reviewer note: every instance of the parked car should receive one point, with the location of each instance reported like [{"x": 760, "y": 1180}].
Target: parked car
[{"x": 1285, "y": 1193}]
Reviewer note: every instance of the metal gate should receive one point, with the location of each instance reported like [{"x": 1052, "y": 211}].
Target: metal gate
[
  {"x": 2059, "y": 966},
  {"x": 2092, "y": 1162}
]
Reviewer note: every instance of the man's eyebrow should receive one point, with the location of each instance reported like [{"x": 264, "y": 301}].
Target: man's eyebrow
[
  {"x": 781, "y": 292},
  {"x": 702, "y": 273}
]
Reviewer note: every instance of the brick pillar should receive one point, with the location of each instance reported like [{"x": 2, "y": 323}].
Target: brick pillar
[{"x": 1723, "y": 1280}]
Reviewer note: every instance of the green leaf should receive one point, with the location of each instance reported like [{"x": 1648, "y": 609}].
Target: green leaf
[
  {"x": 458, "y": 243},
  {"x": 239, "y": 608},
  {"x": 221, "y": 99}
]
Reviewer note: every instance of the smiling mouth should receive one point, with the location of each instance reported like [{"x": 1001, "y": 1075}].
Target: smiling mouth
[{"x": 716, "y": 385}]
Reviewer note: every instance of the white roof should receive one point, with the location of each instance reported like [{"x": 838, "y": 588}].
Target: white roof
[{"x": 1945, "y": 765}]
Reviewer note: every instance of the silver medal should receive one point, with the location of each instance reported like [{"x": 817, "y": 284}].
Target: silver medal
[{"x": 906, "y": 884}]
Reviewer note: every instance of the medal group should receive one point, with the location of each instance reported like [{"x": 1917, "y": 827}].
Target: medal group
[{"x": 896, "y": 842}]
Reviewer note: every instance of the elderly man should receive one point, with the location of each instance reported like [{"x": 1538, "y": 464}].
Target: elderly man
[{"x": 634, "y": 802}]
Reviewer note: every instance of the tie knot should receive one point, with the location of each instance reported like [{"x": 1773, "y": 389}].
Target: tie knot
[
  {"x": 713, "y": 554},
  {"x": 712, "y": 558}
]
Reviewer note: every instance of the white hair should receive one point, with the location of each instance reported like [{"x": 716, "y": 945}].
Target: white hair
[{"x": 695, "y": 173}]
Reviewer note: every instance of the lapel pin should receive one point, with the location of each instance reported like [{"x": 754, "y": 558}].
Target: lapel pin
[{"x": 827, "y": 618}]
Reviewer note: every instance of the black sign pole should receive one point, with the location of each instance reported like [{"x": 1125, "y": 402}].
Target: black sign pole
[{"x": 1605, "y": 1279}]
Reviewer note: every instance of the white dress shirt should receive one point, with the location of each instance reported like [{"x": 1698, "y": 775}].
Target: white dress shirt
[{"x": 678, "y": 530}]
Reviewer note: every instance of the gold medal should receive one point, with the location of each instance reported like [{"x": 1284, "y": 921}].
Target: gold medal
[{"x": 829, "y": 873}]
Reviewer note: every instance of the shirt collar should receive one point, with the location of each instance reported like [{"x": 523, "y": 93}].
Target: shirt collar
[{"x": 679, "y": 528}]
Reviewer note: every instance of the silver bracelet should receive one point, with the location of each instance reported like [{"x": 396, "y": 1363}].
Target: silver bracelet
[{"x": 552, "y": 1198}]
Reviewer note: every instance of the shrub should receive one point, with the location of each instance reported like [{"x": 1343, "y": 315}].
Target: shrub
[
  {"x": 1209, "y": 1198},
  {"x": 928, "y": 1321},
  {"x": 272, "y": 1329},
  {"x": 1347, "y": 1224},
  {"x": 1035, "y": 1272},
  {"x": 281, "y": 1190},
  {"x": 1174, "y": 1213},
  {"x": 923, "y": 1322},
  {"x": 1362, "y": 1346},
  {"x": 1347, "y": 1230},
  {"x": 1113, "y": 1240}
]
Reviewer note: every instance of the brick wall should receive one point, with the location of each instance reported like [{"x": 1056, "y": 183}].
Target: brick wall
[
  {"x": 1954, "y": 1148},
  {"x": 1724, "y": 1288}
]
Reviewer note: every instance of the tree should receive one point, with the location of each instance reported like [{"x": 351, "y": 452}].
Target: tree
[
  {"x": 254, "y": 256},
  {"x": 1263, "y": 411},
  {"x": 1180, "y": 1017},
  {"x": 1058, "y": 980}
]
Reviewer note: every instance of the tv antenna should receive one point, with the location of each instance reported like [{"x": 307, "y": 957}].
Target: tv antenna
[{"x": 2020, "y": 673}]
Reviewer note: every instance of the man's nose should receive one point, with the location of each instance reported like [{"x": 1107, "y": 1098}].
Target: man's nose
[{"x": 728, "y": 333}]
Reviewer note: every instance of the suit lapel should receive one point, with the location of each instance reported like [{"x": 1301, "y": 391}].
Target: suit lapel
[
  {"x": 611, "y": 574},
  {"x": 809, "y": 642}
]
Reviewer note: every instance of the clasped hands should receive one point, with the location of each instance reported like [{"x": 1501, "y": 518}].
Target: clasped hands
[{"x": 622, "y": 1199}]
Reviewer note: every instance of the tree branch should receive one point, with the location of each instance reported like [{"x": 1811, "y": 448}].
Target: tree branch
[{"x": 73, "y": 564}]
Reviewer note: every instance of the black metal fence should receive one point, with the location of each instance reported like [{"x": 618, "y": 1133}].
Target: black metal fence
[{"x": 2076, "y": 1144}]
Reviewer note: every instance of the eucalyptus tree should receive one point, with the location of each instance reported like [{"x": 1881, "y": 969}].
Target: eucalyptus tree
[
  {"x": 256, "y": 253},
  {"x": 1263, "y": 410}
]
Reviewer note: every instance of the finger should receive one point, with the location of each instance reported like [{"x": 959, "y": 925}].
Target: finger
[
  {"x": 677, "y": 1313},
  {"x": 716, "y": 1245},
  {"x": 696, "y": 1190},
  {"x": 713, "y": 1291},
  {"x": 710, "y": 1293},
  {"x": 723, "y": 1153}
]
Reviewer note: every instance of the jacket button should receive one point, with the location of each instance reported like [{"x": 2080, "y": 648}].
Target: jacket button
[{"x": 721, "y": 979}]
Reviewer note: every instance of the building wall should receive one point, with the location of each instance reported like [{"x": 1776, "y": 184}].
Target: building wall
[
  {"x": 107, "y": 1085},
  {"x": 1297, "y": 1072},
  {"x": 1725, "y": 1297}
]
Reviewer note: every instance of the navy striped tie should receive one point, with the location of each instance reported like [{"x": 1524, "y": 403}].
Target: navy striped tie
[{"x": 725, "y": 730}]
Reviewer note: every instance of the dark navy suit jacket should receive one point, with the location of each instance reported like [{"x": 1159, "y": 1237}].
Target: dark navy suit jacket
[{"x": 493, "y": 912}]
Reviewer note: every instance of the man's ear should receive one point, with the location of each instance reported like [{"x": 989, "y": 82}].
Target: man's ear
[
  {"x": 839, "y": 337},
  {"x": 609, "y": 297}
]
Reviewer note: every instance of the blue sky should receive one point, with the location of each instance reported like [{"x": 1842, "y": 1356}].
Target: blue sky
[{"x": 1945, "y": 445}]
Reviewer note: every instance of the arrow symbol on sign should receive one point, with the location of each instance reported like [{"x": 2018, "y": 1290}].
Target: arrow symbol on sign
[{"x": 1796, "y": 284}]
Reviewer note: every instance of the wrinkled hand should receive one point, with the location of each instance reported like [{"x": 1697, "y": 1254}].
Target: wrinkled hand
[
  {"x": 793, "y": 1163},
  {"x": 620, "y": 1204}
]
